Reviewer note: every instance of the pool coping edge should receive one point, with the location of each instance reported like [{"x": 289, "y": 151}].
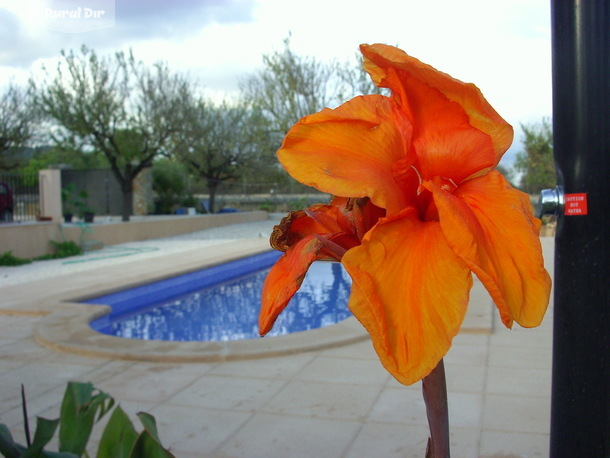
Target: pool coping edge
[{"x": 65, "y": 328}]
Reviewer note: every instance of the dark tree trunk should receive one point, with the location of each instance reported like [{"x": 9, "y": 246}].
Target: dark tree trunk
[
  {"x": 127, "y": 206},
  {"x": 212, "y": 188}
]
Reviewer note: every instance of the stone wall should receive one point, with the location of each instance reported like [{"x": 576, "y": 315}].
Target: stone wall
[
  {"x": 104, "y": 190},
  {"x": 32, "y": 240}
]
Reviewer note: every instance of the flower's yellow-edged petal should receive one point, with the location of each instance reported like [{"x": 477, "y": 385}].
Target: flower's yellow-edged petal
[
  {"x": 285, "y": 278},
  {"x": 380, "y": 58},
  {"x": 490, "y": 225},
  {"x": 349, "y": 151},
  {"x": 410, "y": 291}
]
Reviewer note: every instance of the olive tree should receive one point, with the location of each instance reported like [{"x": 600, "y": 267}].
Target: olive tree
[
  {"x": 17, "y": 120},
  {"x": 215, "y": 142},
  {"x": 289, "y": 87},
  {"x": 115, "y": 105},
  {"x": 536, "y": 161}
]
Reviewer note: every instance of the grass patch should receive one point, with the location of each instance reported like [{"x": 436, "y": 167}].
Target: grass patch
[
  {"x": 62, "y": 250},
  {"x": 7, "y": 259}
]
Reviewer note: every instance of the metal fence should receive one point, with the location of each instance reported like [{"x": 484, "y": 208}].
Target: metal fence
[
  {"x": 280, "y": 197},
  {"x": 19, "y": 197},
  {"x": 244, "y": 188}
]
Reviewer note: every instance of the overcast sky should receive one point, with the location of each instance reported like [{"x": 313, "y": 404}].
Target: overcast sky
[{"x": 502, "y": 47}]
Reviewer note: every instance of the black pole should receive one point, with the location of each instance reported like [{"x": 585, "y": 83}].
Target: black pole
[{"x": 580, "y": 413}]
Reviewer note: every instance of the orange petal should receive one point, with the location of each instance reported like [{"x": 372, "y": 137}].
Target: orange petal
[
  {"x": 410, "y": 292},
  {"x": 362, "y": 215},
  {"x": 379, "y": 59},
  {"x": 445, "y": 143},
  {"x": 284, "y": 280},
  {"x": 490, "y": 225},
  {"x": 349, "y": 151},
  {"x": 328, "y": 221}
]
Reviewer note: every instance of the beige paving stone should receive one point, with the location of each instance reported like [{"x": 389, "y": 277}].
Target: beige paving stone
[
  {"x": 236, "y": 393},
  {"x": 389, "y": 440},
  {"x": 519, "y": 337},
  {"x": 473, "y": 355},
  {"x": 10, "y": 362},
  {"x": 24, "y": 349},
  {"x": 532, "y": 357},
  {"x": 495, "y": 444},
  {"x": 361, "y": 350},
  {"x": 479, "y": 318},
  {"x": 141, "y": 384},
  {"x": 464, "y": 378},
  {"x": 526, "y": 414},
  {"x": 196, "y": 432},
  {"x": 471, "y": 339},
  {"x": 324, "y": 400},
  {"x": 344, "y": 370},
  {"x": 37, "y": 378},
  {"x": 464, "y": 442},
  {"x": 400, "y": 440},
  {"x": 400, "y": 404},
  {"x": 267, "y": 435},
  {"x": 280, "y": 368},
  {"x": 519, "y": 381},
  {"x": 198, "y": 369},
  {"x": 465, "y": 409},
  {"x": 16, "y": 326}
]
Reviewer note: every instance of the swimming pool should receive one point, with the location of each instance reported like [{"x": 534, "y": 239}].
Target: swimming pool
[{"x": 222, "y": 303}]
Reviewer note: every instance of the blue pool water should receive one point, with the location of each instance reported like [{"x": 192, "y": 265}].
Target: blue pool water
[{"x": 222, "y": 303}]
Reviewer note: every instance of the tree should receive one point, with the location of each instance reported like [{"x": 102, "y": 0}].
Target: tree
[
  {"x": 289, "y": 87},
  {"x": 214, "y": 142},
  {"x": 116, "y": 106},
  {"x": 16, "y": 125},
  {"x": 356, "y": 81},
  {"x": 169, "y": 183},
  {"x": 536, "y": 161}
]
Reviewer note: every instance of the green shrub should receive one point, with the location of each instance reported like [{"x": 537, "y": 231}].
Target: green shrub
[
  {"x": 300, "y": 203},
  {"x": 267, "y": 206},
  {"x": 170, "y": 184},
  {"x": 66, "y": 249},
  {"x": 7, "y": 259},
  {"x": 83, "y": 406},
  {"x": 62, "y": 250}
]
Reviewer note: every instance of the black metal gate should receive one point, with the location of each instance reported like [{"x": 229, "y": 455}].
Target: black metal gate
[{"x": 19, "y": 197}]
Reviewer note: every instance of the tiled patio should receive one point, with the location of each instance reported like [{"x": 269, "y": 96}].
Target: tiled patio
[{"x": 333, "y": 402}]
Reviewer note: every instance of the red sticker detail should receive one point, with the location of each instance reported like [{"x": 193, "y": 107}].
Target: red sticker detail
[{"x": 575, "y": 204}]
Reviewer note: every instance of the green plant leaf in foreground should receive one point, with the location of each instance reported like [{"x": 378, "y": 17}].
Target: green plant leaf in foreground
[
  {"x": 118, "y": 437},
  {"x": 8, "y": 447},
  {"x": 45, "y": 430},
  {"x": 78, "y": 414},
  {"x": 148, "y": 444},
  {"x": 11, "y": 449}
]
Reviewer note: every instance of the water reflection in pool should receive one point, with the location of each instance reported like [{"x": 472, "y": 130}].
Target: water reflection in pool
[{"x": 229, "y": 310}]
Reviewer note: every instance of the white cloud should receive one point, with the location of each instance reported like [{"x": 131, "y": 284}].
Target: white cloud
[{"x": 504, "y": 48}]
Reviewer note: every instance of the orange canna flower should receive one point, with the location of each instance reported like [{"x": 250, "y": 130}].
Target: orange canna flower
[{"x": 422, "y": 209}]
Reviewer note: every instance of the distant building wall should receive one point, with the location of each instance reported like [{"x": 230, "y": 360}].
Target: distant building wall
[
  {"x": 143, "y": 192},
  {"x": 31, "y": 240},
  {"x": 104, "y": 190},
  {"x": 49, "y": 186}
]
